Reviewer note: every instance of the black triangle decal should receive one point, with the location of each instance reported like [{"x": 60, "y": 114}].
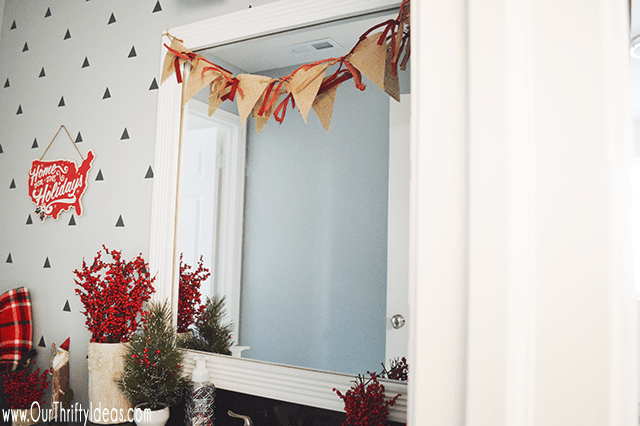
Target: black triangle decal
[
  {"x": 99, "y": 177},
  {"x": 72, "y": 221},
  {"x": 120, "y": 222},
  {"x": 79, "y": 138},
  {"x": 26, "y": 47},
  {"x": 149, "y": 174},
  {"x": 112, "y": 19},
  {"x": 1, "y": 151},
  {"x": 61, "y": 103},
  {"x": 13, "y": 26},
  {"x": 19, "y": 110},
  {"x": 132, "y": 52},
  {"x": 9, "y": 259},
  {"x": 34, "y": 144},
  {"x": 47, "y": 264},
  {"x": 125, "y": 135},
  {"x": 42, "y": 344},
  {"x": 85, "y": 63},
  {"x": 6, "y": 83},
  {"x": 158, "y": 8},
  {"x": 42, "y": 74},
  {"x": 67, "y": 35},
  {"x": 12, "y": 185},
  {"x": 46, "y": 15},
  {"x": 67, "y": 308},
  {"x": 154, "y": 85},
  {"x": 107, "y": 94},
  {"x": 29, "y": 221}
]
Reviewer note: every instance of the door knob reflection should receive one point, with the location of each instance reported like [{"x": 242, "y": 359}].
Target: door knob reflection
[{"x": 397, "y": 321}]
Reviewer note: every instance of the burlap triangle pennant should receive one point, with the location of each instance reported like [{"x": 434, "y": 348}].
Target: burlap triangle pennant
[
  {"x": 369, "y": 58},
  {"x": 261, "y": 120},
  {"x": 217, "y": 89},
  {"x": 251, "y": 87},
  {"x": 323, "y": 106},
  {"x": 201, "y": 75},
  {"x": 404, "y": 23},
  {"x": 391, "y": 80},
  {"x": 168, "y": 67},
  {"x": 304, "y": 85}
]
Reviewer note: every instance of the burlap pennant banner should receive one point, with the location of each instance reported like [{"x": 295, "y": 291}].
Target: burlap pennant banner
[
  {"x": 252, "y": 87},
  {"x": 304, "y": 85},
  {"x": 369, "y": 58},
  {"x": 202, "y": 74},
  {"x": 323, "y": 106},
  {"x": 176, "y": 56},
  {"x": 376, "y": 56},
  {"x": 274, "y": 96},
  {"x": 218, "y": 89},
  {"x": 391, "y": 80}
]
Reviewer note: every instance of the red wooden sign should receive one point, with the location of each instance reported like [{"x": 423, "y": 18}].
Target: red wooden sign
[{"x": 55, "y": 186}]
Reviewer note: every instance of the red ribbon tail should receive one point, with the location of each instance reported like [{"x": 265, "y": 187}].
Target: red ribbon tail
[{"x": 176, "y": 63}]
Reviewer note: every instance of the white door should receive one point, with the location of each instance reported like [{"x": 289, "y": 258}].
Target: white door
[
  {"x": 398, "y": 230},
  {"x": 198, "y": 203}
]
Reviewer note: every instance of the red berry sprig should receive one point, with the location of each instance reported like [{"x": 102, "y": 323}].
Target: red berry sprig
[
  {"x": 113, "y": 294},
  {"x": 399, "y": 370},
  {"x": 365, "y": 403},
  {"x": 22, "y": 388},
  {"x": 189, "y": 293}
]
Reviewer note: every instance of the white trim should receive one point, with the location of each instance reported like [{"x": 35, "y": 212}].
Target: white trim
[
  {"x": 291, "y": 384},
  {"x": 269, "y": 18},
  {"x": 438, "y": 274},
  {"x": 165, "y": 183}
]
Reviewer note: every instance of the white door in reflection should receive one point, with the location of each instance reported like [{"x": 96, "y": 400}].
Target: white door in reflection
[
  {"x": 210, "y": 201},
  {"x": 198, "y": 199},
  {"x": 398, "y": 229}
]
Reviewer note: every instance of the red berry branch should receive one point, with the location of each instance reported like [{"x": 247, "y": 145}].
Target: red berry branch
[
  {"x": 113, "y": 294},
  {"x": 365, "y": 403},
  {"x": 22, "y": 388},
  {"x": 399, "y": 370},
  {"x": 189, "y": 293}
]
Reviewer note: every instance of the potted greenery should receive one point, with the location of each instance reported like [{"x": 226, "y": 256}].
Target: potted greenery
[
  {"x": 113, "y": 293},
  {"x": 152, "y": 377},
  {"x": 210, "y": 334},
  {"x": 24, "y": 393}
]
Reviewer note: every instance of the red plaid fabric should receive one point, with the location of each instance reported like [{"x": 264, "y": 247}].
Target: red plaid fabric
[{"x": 16, "y": 327}]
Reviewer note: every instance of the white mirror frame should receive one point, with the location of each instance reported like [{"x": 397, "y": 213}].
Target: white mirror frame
[{"x": 286, "y": 383}]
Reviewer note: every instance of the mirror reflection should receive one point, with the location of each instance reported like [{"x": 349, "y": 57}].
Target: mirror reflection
[{"x": 314, "y": 221}]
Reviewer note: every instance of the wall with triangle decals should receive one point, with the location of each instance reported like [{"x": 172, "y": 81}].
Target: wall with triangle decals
[{"x": 91, "y": 65}]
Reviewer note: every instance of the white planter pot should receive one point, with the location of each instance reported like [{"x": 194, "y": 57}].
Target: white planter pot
[
  {"x": 106, "y": 365},
  {"x": 151, "y": 418}
]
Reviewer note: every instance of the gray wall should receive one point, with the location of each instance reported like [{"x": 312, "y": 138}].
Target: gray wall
[
  {"x": 315, "y": 236},
  {"x": 124, "y": 191}
]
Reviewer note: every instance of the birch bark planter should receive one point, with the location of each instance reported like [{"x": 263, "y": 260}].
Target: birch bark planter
[
  {"x": 150, "y": 418},
  {"x": 106, "y": 365}
]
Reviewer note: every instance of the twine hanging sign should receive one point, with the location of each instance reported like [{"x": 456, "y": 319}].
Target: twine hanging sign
[{"x": 58, "y": 185}]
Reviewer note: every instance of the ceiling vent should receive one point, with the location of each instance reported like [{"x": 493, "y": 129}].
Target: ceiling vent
[{"x": 313, "y": 46}]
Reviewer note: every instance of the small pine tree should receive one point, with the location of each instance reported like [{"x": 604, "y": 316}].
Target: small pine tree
[
  {"x": 153, "y": 362},
  {"x": 209, "y": 333}
]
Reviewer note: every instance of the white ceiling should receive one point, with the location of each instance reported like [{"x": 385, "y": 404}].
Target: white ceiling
[{"x": 272, "y": 52}]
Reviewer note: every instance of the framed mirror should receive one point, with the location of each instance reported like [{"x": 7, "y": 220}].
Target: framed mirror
[{"x": 273, "y": 378}]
